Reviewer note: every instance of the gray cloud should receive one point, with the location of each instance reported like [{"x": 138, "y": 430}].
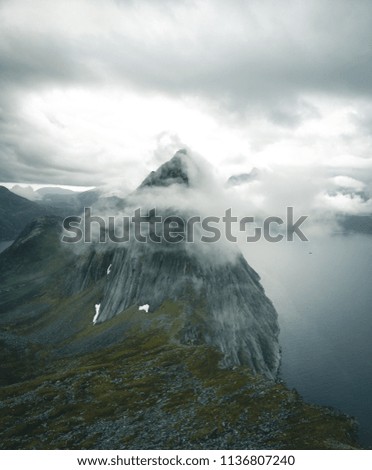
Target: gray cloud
[
  {"x": 263, "y": 62},
  {"x": 267, "y": 51},
  {"x": 248, "y": 60}
]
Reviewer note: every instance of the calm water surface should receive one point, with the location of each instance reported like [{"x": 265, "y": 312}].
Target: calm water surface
[{"x": 323, "y": 293}]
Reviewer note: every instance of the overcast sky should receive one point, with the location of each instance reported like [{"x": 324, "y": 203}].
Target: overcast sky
[{"x": 101, "y": 92}]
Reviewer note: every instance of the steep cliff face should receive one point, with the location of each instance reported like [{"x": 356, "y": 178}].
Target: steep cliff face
[{"x": 225, "y": 304}]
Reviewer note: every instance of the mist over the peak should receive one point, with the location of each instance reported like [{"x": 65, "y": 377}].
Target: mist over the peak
[{"x": 187, "y": 186}]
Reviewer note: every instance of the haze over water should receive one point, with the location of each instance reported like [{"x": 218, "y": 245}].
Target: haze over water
[{"x": 322, "y": 292}]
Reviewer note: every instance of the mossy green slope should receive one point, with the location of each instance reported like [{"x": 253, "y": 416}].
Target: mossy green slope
[{"x": 149, "y": 391}]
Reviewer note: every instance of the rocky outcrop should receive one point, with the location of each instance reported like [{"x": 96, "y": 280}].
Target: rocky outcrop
[
  {"x": 225, "y": 304},
  {"x": 174, "y": 171}
]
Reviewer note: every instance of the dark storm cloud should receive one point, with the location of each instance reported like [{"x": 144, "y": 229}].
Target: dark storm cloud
[
  {"x": 254, "y": 58},
  {"x": 29, "y": 60},
  {"x": 41, "y": 164},
  {"x": 246, "y": 52},
  {"x": 276, "y": 53}
]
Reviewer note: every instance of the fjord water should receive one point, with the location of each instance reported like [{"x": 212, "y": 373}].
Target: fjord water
[{"x": 322, "y": 291}]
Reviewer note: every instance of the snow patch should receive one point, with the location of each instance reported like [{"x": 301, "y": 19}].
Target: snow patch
[
  {"x": 109, "y": 269},
  {"x": 95, "y": 318},
  {"x": 144, "y": 307}
]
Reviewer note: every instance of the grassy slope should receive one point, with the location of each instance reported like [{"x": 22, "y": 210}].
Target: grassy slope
[{"x": 150, "y": 391}]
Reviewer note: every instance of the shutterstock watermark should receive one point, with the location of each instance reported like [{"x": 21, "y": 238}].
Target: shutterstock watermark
[{"x": 152, "y": 227}]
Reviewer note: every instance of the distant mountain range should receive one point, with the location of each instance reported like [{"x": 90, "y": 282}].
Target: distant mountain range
[
  {"x": 350, "y": 224},
  {"x": 243, "y": 178},
  {"x": 54, "y": 190},
  {"x": 17, "y": 211},
  {"x": 67, "y": 203}
]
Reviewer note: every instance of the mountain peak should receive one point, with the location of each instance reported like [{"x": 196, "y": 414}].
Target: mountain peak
[{"x": 174, "y": 171}]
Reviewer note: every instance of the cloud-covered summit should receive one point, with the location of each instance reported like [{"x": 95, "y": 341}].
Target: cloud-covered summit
[
  {"x": 98, "y": 93},
  {"x": 175, "y": 171}
]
